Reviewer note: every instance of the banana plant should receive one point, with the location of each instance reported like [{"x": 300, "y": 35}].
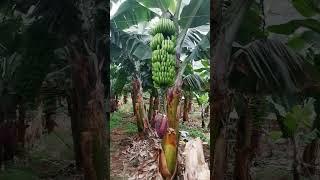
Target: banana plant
[
  {"x": 185, "y": 15},
  {"x": 303, "y": 37},
  {"x": 192, "y": 82},
  {"x": 203, "y": 101},
  {"x": 267, "y": 67},
  {"x": 20, "y": 53},
  {"x": 173, "y": 96},
  {"x": 296, "y": 120}
]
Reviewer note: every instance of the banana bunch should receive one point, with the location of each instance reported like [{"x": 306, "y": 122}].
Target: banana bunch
[
  {"x": 163, "y": 68},
  {"x": 156, "y": 41},
  {"x": 163, "y": 56},
  {"x": 173, "y": 39},
  {"x": 165, "y": 26},
  {"x": 168, "y": 46}
]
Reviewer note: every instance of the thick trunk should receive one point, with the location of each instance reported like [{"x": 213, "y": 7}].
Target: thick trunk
[
  {"x": 186, "y": 108},
  {"x": 217, "y": 136},
  {"x": 220, "y": 160},
  {"x": 221, "y": 43},
  {"x": 241, "y": 171},
  {"x": 133, "y": 95},
  {"x": 155, "y": 110},
  {"x": 133, "y": 103},
  {"x": 309, "y": 157},
  {"x": 8, "y": 141},
  {"x": 173, "y": 100},
  {"x": 181, "y": 112},
  {"x": 156, "y": 106},
  {"x": 114, "y": 104},
  {"x": 141, "y": 115},
  {"x": 248, "y": 138},
  {"x": 190, "y": 105},
  {"x": 72, "y": 107},
  {"x": 22, "y": 125},
  {"x": 296, "y": 175},
  {"x": 206, "y": 114},
  {"x": 170, "y": 140},
  {"x": 8, "y": 127},
  {"x": 151, "y": 106},
  {"x": 50, "y": 106},
  {"x": 89, "y": 106},
  {"x": 202, "y": 118}
]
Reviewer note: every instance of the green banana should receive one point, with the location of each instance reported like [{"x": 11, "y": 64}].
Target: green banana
[{"x": 163, "y": 50}]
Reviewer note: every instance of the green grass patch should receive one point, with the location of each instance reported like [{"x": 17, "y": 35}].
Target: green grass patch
[
  {"x": 116, "y": 119},
  {"x": 126, "y": 108},
  {"x": 193, "y": 132},
  {"x": 197, "y": 133},
  {"x": 56, "y": 145},
  {"x": 131, "y": 128},
  {"x": 275, "y": 135},
  {"x": 18, "y": 174}
]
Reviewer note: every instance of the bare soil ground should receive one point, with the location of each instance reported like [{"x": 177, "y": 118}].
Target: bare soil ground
[
  {"x": 121, "y": 141},
  {"x": 275, "y": 161},
  {"x": 48, "y": 158},
  {"x": 272, "y": 163}
]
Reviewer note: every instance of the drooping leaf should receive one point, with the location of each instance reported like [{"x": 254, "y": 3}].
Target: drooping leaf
[
  {"x": 201, "y": 16},
  {"x": 276, "y": 67},
  {"x": 196, "y": 42},
  {"x": 291, "y": 26},
  {"x": 161, "y": 4},
  {"x": 131, "y": 13},
  {"x": 130, "y": 45},
  {"x": 193, "y": 82},
  {"x": 202, "y": 49},
  {"x": 306, "y": 8},
  {"x": 120, "y": 80},
  {"x": 193, "y": 37}
]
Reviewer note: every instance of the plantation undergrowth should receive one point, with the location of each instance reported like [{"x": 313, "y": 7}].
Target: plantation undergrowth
[
  {"x": 119, "y": 120},
  {"x": 50, "y": 157},
  {"x": 124, "y": 134}
]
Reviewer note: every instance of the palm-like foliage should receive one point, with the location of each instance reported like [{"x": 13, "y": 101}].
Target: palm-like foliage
[
  {"x": 130, "y": 47},
  {"x": 130, "y": 13},
  {"x": 304, "y": 38},
  {"x": 269, "y": 66},
  {"x": 124, "y": 44},
  {"x": 196, "y": 43},
  {"x": 26, "y": 45},
  {"x": 34, "y": 33},
  {"x": 132, "y": 52},
  {"x": 193, "y": 82},
  {"x": 262, "y": 66}
]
